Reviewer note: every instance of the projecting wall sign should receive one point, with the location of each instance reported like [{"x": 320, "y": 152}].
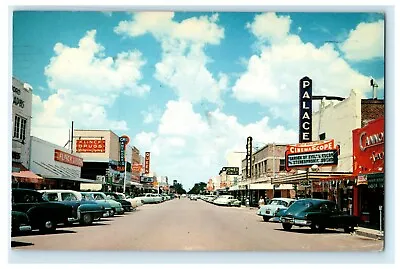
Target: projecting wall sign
[
  {"x": 249, "y": 161},
  {"x": 305, "y": 110}
]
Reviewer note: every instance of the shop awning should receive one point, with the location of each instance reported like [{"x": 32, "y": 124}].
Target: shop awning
[
  {"x": 314, "y": 176},
  {"x": 78, "y": 179},
  {"x": 27, "y": 176},
  {"x": 91, "y": 186},
  {"x": 234, "y": 188},
  {"x": 261, "y": 186}
]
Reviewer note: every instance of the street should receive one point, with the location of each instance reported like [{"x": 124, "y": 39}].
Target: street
[{"x": 182, "y": 224}]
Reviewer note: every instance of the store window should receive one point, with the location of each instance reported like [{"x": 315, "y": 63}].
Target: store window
[
  {"x": 19, "y": 127},
  {"x": 282, "y": 165}
]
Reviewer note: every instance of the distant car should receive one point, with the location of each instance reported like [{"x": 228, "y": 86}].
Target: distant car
[
  {"x": 100, "y": 196},
  {"x": 84, "y": 211},
  {"x": 121, "y": 199},
  {"x": 193, "y": 197},
  {"x": 317, "y": 214},
  {"x": 42, "y": 214},
  {"x": 19, "y": 223},
  {"x": 227, "y": 200},
  {"x": 150, "y": 198},
  {"x": 273, "y": 206}
]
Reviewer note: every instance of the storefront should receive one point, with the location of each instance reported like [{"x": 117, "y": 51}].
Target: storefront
[
  {"x": 58, "y": 168},
  {"x": 368, "y": 194}
]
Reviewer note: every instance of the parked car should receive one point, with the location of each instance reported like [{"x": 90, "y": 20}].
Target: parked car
[
  {"x": 193, "y": 197},
  {"x": 135, "y": 201},
  {"x": 89, "y": 197},
  {"x": 150, "y": 198},
  {"x": 84, "y": 211},
  {"x": 100, "y": 196},
  {"x": 19, "y": 223},
  {"x": 121, "y": 199},
  {"x": 273, "y": 206},
  {"x": 317, "y": 214},
  {"x": 227, "y": 200},
  {"x": 42, "y": 214}
]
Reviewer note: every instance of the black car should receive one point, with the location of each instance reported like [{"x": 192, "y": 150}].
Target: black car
[
  {"x": 19, "y": 223},
  {"x": 317, "y": 214},
  {"x": 119, "y": 198},
  {"x": 42, "y": 214}
]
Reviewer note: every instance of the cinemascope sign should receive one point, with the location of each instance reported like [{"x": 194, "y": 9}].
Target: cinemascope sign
[{"x": 321, "y": 153}]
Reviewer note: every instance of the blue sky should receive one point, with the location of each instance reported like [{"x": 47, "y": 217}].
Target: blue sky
[{"x": 189, "y": 86}]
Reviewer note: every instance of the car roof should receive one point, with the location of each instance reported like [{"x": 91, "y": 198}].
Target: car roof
[
  {"x": 283, "y": 199},
  {"x": 60, "y": 191}
]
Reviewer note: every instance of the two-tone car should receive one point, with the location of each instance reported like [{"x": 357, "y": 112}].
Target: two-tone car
[
  {"x": 84, "y": 211},
  {"x": 317, "y": 214},
  {"x": 150, "y": 198},
  {"x": 42, "y": 214},
  {"x": 273, "y": 206},
  {"x": 227, "y": 200},
  {"x": 119, "y": 197},
  {"x": 100, "y": 196}
]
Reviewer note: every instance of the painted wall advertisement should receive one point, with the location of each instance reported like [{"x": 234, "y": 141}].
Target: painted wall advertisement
[
  {"x": 305, "y": 110},
  {"x": 67, "y": 158}
]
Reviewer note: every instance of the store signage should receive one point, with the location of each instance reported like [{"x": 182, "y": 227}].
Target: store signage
[
  {"x": 305, "y": 110},
  {"x": 368, "y": 148},
  {"x": 16, "y": 99},
  {"x": 144, "y": 179},
  {"x": 67, "y": 158},
  {"x": 147, "y": 163},
  {"x": 136, "y": 167},
  {"x": 311, "y": 147},
  {"x": 90, "y": 146},
  {"x": 231, "y": 170},
  {"x": 123, "y": 141},
  {"x": 249, "y": 161},
  {"x": 326, "y": 157}
]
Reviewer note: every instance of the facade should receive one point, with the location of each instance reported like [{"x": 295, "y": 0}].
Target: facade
[
  {"x": 59, "y": 168},
  {"x": 369, "y": 168},
  {"x": 21, "y": 124},
  {"x": 101, "y": 152}
]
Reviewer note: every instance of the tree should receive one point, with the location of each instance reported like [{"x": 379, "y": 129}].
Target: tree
[
  {"x": 179, "y": 189},
  {"x": 197, "y": 188}
]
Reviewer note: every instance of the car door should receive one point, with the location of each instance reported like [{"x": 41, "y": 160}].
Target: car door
[{"x": 23, "y": 201}]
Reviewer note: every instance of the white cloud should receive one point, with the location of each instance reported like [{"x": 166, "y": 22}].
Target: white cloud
[
  {"x": 272, "y": 76},
  {"x": 152, "y": 114},
  {"x": 183, "y": 62},
  {"x": 85, "y": 83},
  {"x": 365, "y": 42},
  {"x": 189, "y": 148}
]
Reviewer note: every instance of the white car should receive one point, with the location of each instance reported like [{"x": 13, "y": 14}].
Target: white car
[
  {"x": 227, "y": 200},
  {"x": 135, "y": 201},
  {"x": 150, "y": 198},
  {"x": 273, "y": 206}
]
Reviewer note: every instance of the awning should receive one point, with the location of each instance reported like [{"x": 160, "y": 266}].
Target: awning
[
  {"x": 261, "y": 186},
  {"x": 314, "y": 176},
  {"x": 27, "y": 176},
  {"x": 133, "y": 183},
  {"x": 234, "y": 188},
  {"x": 91, "y": 186},
  {"x": 78, "y": 179}
]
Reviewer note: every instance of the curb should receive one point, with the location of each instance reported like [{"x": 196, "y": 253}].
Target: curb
[{"x": 369, "y": 235}]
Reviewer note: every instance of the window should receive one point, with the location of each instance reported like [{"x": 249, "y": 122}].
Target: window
[
  {"x": 322, "y": 136},
  {"x": 19, "y": 127},
  {"x": 282, "y": 165},
  {"x": 68, "y": 197},
  {"x": 52, "y": 197}
]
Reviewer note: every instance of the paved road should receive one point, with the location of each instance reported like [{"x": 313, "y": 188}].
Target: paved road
[{"x": 182, "y": 224}]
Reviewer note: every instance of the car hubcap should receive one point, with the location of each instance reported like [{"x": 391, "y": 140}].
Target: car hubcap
[{"x": 48, "y": 224}]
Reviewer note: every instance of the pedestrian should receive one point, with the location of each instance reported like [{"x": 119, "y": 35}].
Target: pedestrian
[{"x": 261, "y": 202}]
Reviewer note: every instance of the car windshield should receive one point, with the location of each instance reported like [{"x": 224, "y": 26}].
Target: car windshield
[
  {"x": 87, "y": 197},
  {"x": 273, "y": 202},
  {"x": 120, "y": 196},
  {"x": 300, "y": 205}
]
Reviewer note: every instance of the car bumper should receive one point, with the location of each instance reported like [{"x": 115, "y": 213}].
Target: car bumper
[
  {"x": 119, "y": 210},
  {"x": 73, "y": 220},
  {"x": 25, "y": 228}
]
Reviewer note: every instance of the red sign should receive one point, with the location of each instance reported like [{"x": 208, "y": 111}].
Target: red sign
[
  {"x": 368, "y": 148},
  {"x": 90, "y": 146},
  {"x": 136, "y": 167},
  {"x": 311, "y": 146},
  {"x": 147, "y": 163},
  {"x": 67, "y": 158}
]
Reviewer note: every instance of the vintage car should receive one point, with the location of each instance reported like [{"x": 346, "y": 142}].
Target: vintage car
[
  {"x": 227, "y": 200},
  {"x": 84, "y": 211},
  {"x": 273, "y": 206},
  {"x": 100, "y": 196},
  {"x": 150, "y": 198},
  {"x": 193, "y": 197},
  {"x": 317, "y": 214},
  {"x": 42, "y": 214},
  {"x": 135, "y": 201},
  {"x": 119, "y": 197},
  {"x": 109, "y": 212},
  {"x": 19, "y": 223}
]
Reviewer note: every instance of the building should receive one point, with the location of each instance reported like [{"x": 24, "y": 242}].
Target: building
[
  {"x": 59, "y": 168},
  {"x": 103, "y": 158},
  {"x": 21, "y": 125}
]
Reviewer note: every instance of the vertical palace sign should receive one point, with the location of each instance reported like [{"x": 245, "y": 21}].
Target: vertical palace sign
[
  {"x": 249, "y": 161},
  {"x": 305, "y": 110}
]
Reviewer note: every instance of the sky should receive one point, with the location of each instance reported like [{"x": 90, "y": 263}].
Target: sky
[{"x": 187, "y": 86}]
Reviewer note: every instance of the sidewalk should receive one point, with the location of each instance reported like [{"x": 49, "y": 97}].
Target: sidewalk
[{"x": 371, "y": 233}]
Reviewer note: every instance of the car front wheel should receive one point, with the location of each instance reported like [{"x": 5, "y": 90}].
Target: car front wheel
[
  {"x": 316, "y": 227},
  {"x": 265, "y": 218},
  {"x": 48, "y": 226},
  {"x": 287, "y": 226},
  {"x": 87, "y": 219},
  {"x": 349, "y": 229}
]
